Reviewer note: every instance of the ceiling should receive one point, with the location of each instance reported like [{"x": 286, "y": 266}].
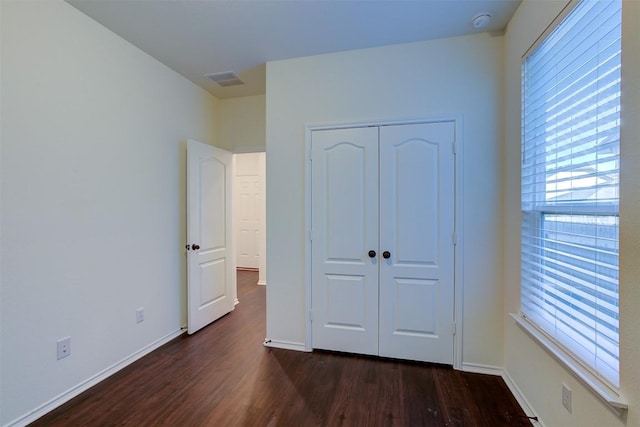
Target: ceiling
[{"x": 199, "y": 37}]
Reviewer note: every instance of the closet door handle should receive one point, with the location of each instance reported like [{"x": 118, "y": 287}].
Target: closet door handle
[
  {"x": 372, "y": 254},
  {"x": 386, "y": 254},
  {"x": 195, "y": 247}
]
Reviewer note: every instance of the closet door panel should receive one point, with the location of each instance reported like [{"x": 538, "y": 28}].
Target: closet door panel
[
  {"x": 416, "y": 227},
  {"x": 345, "y": 228}
]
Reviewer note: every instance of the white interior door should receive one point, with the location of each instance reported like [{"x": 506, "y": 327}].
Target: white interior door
[
  {"x": 345, "y": 229},
  {"x": 210, "y": 257},
  {"x": 248, "y": 209},
  {"x": 416, "y": 229},
  {"x": 389, "y": 190}
]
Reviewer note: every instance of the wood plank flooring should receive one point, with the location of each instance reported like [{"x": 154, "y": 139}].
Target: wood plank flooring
[{"x": 224, "y": 376}]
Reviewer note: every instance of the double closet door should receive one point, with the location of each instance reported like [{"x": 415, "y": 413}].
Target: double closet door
[{"x": 382, "y": 240}]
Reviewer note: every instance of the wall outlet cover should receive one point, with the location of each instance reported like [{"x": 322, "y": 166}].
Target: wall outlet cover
[
  {"x": 566, "y": 397},
  {"x": 63, "y": 347}
]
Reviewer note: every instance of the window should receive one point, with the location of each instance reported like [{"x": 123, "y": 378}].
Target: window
[{"x": 570, "y": 176}]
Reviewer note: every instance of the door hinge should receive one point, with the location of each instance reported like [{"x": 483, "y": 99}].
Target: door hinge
[
  {"x": 454, "y": 238},
  {"x": 453, "y": 328},
  {"x": 310, "y": 315},
  {"x": 311, "y": 235},
  {"x": 454, "y": 148}
]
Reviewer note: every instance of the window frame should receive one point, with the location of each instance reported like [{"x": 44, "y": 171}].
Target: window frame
[{"x": 588, "y": 375}]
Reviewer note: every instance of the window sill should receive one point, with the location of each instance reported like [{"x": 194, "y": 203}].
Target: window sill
[{"x": 612, "y": 398}]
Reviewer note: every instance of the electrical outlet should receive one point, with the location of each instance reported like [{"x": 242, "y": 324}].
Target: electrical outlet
[
  {"x": 140, "y": 315},
  {"x": 566, "y": 397},
  {"x": 64, "y": 347}
]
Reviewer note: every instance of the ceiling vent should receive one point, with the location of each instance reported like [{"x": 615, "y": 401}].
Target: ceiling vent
[{"x": 226, "y": 78}]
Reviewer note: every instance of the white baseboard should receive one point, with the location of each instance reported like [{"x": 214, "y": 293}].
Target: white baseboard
[
  {"x": 262, "y": 282},
  {"x": 524, "y": 404},
  {"x": 494, "y": 370},
  {"x": 287, "y": 345},
  {"x": 90, "y": 382},
  {"x": 482, "y": 369}
]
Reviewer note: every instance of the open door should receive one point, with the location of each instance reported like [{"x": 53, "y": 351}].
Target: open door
[{"x": 211, "y": 281}]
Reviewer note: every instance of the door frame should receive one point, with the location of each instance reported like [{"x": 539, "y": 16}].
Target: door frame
[{"x": 458, "y": 283}]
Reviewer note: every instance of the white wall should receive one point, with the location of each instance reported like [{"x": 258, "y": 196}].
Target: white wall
[
  {"x": 242, "y": 124},
  {"x": 457, "y": 76},
  {"x": 92, "y": 197},
  {"x": 535, "y": 373}
]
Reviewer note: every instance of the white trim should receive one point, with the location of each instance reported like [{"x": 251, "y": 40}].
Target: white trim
[
  {"x": 571, "y": 4},
  {"x": 477, "y": 368},
  {"x": 524, "y": 403},
  {"x": 287, "y": 345},
  {"x": 614, "y": 400},
  {"x": 90, "y": 382},
  {"x": 308, "y": 345},
  {"x": 262, "y": 282},
  {"x": 367, "y": 123},
  {"x": 249, "y": 149},
  {"x": 458, "y": 284},
  {"x": 458, "y": 280}
]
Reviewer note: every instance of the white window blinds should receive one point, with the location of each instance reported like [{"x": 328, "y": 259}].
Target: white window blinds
[{"x": 570, "y": 176}]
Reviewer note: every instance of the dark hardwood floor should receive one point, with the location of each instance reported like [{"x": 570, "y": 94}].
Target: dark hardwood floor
[{"x": 224, "y": 376}]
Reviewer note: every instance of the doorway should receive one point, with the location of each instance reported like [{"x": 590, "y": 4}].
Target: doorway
[{"x": 249, "y": 213}]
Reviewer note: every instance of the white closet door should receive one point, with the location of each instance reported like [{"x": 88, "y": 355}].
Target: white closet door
[
  {"x": 345, "y": 229},
  {"x": 390, "y": 190},
  {"x": 416, "y": 227}
]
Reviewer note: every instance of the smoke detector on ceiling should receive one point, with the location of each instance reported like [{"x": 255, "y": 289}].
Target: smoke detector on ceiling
[
  {"x": 226, "y": 78},
  {"x": 481, "y": 20}
]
